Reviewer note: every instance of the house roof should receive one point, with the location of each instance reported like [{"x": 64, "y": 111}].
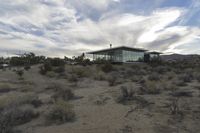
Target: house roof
[
  {"x": 154, "y": 52},
  {"x": 117, "y": 48}
]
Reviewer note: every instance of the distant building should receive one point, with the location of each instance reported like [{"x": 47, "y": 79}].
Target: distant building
[{"x": 124, "y": 54}]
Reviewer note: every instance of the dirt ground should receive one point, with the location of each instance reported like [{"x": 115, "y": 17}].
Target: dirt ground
[{"x": 96, "y": 106}]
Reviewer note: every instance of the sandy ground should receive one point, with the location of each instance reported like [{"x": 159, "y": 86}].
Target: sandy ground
[{"x": 98, "y": 112}]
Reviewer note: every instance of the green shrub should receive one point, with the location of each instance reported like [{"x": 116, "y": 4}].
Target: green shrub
[{"x": 61, "y": 112}]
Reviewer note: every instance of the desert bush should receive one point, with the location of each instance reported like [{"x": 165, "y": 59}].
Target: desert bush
[
  {"x": 108, "y": 67},
  {"x": 197, "y": 77},
  {"x": 81, "y": 72},
  {"x": 182, "y": 94},
  {"x": 27, "y": 67},
  {"x": 45, "y": 68},
  {"x": 154, "y": 77},
  {"x": 187, "y": 77},
  {"x": 162, "y": 69},
  {"x": 64, "y": 94},
  {"x": 16, "y": 99},
  {"x": 112, "y": 79},
  {"x": 174, "y": 106},
  {"x": 99, "y": 76},
  {"x": 51, "y": 74},
  {"x": 125, "y": 95},
  {"x": 5, "y": 88},
  {"x": 61, "y": 112},
  {"x": 136, "y": 78},
  {"x": 20, "y": 73},
  {"x": 14, "y": 116},
  {"x": 60, "y": 69},
  {"x": 56, "y": 62},
  {"x": 151, "y": 87},
  {"x": 73, "y": 78}
]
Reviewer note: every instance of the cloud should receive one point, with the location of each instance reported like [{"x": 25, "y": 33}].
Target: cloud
[{"x": 68, "y": 27}]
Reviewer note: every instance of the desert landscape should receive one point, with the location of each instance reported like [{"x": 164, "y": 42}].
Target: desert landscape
[{"x": 54, "y": 96}]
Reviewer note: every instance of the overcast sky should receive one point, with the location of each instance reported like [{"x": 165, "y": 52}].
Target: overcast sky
[{"x": 71, "y": 27}]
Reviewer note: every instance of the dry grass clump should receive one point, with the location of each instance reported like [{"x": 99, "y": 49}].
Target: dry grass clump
[
  {"x": 151, "y": 87},
  {"x": 61, "y": 112},
  {"x": 14, "y": 116}
]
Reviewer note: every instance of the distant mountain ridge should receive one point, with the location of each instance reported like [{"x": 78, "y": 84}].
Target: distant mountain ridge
[{"x": 180, "y": 57}]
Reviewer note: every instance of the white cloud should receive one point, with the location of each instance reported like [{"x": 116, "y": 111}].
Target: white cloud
[{"x": 54, "y": 28}]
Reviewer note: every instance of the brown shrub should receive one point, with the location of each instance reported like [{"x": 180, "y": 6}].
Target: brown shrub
[
  {"x": 14, "y": 116},
  {"x": 61, "y": 112},
  {"x": 151, "y": 87},
  {"x": 64, "y": 94}
]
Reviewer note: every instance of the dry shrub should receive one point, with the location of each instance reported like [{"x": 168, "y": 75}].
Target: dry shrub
[
  {"x": 16, "y": 99},
  {"x": 107, "y": 67},
  {"x": 61, "y": 112},
  {"x": 14, "y": 116},
  {"x": 154, "y": 77},
  {"x": 126, "y": 95},
  {"x": 171, "y": 75},
  {"x": 174, "y": 106},
  {"x": 99, "y": 76},
  {"x": 197, "y": 77},
  {"x": 73, "y": 78},
  {"x": 4, "y": 87},
  {"x": 112, "y": 80},
  {"x": 64, "y": 94},
  {"x": 187, "y": 77},
  {"x": 51, "y": 74},
  {"x": 182, "y": 94},
  {"x": 81, "y": 71},
  {"x": 151, "y": 87}
]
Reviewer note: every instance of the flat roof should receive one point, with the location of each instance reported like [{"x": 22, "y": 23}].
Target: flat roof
[
  {"x": 116, "y": 48},
  {"x": 154, "y": 52}
]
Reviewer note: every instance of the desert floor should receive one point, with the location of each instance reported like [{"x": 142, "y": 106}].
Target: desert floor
[{"x": 171, "y": 105}]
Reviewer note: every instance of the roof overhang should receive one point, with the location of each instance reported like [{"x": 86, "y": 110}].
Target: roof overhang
[{"x": 118, "y": 48}]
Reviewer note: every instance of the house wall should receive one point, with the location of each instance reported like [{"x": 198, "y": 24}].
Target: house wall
[
  {"x": 132, "y": 56},
  {"x": 120, "y": 56}
]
